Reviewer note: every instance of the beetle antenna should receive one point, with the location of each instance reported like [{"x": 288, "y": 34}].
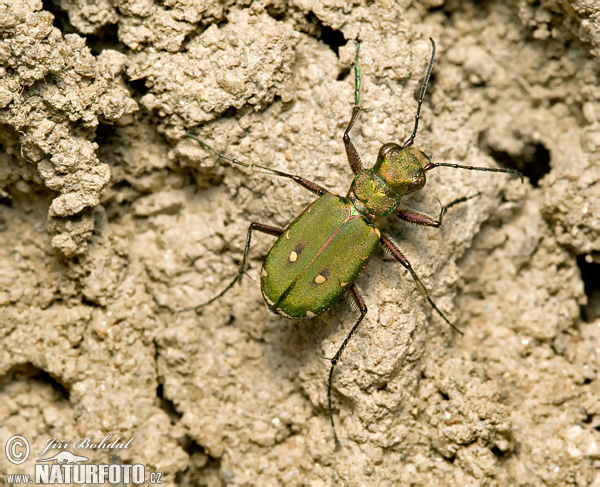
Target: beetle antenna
[
  {"x": 432, "y": 165},
  {"x": 411, "y": 139}
]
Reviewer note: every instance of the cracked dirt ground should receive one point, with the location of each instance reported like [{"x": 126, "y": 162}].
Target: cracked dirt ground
[{"x": 111, "y": 221}]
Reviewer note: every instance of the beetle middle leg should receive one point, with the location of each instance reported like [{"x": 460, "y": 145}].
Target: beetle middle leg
[
  {"x": 419, "y": 218},
  {"x": 399, "y": 256},
  {"x": 336, "y": 358},
  {"x": 268, "y": 229}
]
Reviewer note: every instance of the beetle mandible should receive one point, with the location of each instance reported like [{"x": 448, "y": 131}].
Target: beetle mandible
[{"x": 301, "y": 278}]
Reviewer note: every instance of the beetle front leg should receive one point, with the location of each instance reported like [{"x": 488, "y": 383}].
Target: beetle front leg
[
  {"x": 363, "y": 311},
  {"x": 418, "y": 218},
  {"x": 268, "y": 229},
  {"x": 351, "y": 152},
  {"x": 395, "y": 251}
]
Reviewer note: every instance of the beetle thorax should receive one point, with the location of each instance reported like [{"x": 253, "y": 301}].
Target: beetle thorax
[
  {"x": 371, "y": 196},
  {"x": 398, "y": 171}
]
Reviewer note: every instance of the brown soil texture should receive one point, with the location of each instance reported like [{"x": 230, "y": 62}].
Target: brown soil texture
[{"x": 112, "y": 221}]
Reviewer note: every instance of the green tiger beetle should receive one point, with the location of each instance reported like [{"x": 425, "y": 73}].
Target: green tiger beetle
[{"x": 304, "y": 272}]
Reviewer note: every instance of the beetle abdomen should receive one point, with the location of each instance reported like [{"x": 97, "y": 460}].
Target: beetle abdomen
[{"x": 317, "y": 257}]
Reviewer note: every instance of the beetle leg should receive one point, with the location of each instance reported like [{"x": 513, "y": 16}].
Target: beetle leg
[
  {"x": 418, "y": 218},
  {"x": 363, "y": 311},
  {"x": 268, "y": 229},
  {"x": 411, "y": 139},
  {"x": 312, "y": 187},
  {"x": 391, "y": 246},
  {"x": 351, "y": 152}
]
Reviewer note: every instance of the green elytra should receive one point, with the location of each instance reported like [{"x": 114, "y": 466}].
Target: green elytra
[
  {"x": 303, "y": 275},
  {"x": 318, "y": 257}
]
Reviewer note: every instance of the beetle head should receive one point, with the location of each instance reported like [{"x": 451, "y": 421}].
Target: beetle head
[{"x": 402, "y": 168}]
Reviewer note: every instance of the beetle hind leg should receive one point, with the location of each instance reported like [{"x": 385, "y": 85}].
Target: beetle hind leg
[{"x": 268, "y": 229}]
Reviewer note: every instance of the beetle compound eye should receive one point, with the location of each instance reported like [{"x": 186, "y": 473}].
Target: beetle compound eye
[
  {"x": 418, "y": 182},
  {"x": 386, "y": 150},
  {"x": 420, "y": 156}
]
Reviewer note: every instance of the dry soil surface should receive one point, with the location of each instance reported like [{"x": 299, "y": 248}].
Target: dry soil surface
[{"x": 112, "y": 221}]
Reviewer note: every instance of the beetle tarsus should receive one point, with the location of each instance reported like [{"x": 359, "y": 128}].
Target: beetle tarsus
[
  {"x": 411, "y": 139},
  {"x": 356, "y": 76}
]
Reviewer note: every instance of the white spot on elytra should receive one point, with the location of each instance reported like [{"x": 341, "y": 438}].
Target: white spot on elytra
[
  {"x": 293, "y": 256},
  {"x": 320, "y": 279}
]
